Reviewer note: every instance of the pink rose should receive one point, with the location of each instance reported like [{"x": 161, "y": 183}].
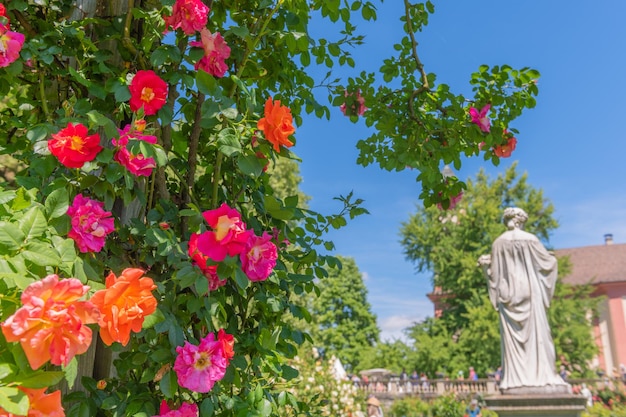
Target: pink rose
[
  {"x": 190, "y": 15},
  {"x": 90, "y": 224},
  {"x": 228, "y": 235},
  {"x": 258, "y": 258},
  {"x": 199, "y": 367},
  {"x": 137, "y": 164},
  {"x": 216, "y": 51}
]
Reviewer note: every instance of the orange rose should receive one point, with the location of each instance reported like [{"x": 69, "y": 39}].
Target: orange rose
[
  {"x": 124, "y": 304},
  {"x": 52, "y": 323},
  {"x": 277, "y": 124}
]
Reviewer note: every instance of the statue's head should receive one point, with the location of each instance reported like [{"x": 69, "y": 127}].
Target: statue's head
[{"x": 514, "y": 217}]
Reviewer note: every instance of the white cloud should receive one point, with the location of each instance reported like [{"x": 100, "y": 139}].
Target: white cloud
[{"x": 392, "y": 327}]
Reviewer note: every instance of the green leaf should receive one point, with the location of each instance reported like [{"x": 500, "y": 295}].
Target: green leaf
[
  {"x": 57, "y": 203},
  {"x": 14, "y": 401},
  {"x": 11, "y": 236},
  {"x": 71, "y": 372},
  {"x": 166, "y": 115},
  {"x": 289, "y": 373},
  {"x": 264, "y": 407},
  {"x": 159, "y": 156},
  {"x": 228, "y": 142},
  {"x": 230, "y": 113},
  {"x": 206, "y": 408},
  {"x": 206, "y": 82},
  {"x": 250, "y": 165},
  {"x": 153, "y": 319},
  {"x": 168, "y": 384},
  {"x": 99, "y": 119},
  {"x": 240, "y": 31},
  {"x": 42, "y": 379},
  {"x": 33, "y": 224},
  {"x": 110, "y": 403},
  {"x": 41, "y": 254},
  {"x": 5, "y": 370},
  {"x": 241, "y": 279},
  {"x": 276, "y": 210},
  {"x": 201, "y": 284},
  {"x": 6, "y": 196},
  {"x": 20, "y": 358},
  {"x": 37, "y": 133}
]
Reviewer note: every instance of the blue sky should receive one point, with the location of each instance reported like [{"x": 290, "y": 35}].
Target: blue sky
[{"x": 571, "y": 144}]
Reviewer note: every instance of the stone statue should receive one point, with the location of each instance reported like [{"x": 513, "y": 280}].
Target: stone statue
[{"x": 521, "y": 276}]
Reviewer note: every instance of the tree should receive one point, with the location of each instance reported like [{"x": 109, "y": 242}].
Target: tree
[
  {"x": 284, "y": 179},
  {"x": 344, "y": 324},
  {"x": 393, "y": 355},
  {"x": 570, "y": 316},
  {"x": 449, "y": 242}
]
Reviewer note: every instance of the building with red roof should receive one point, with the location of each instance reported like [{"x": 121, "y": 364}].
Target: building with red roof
[{"x": 604, "y": 267}]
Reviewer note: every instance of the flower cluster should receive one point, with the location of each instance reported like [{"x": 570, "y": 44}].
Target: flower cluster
[
  {"x": 209, "y": 271},
  {"x": 192, "y": 16},
  {"x": 480, "y": 118},
  {"x": 354, "y": 105},
  {"x": 138, "y": 165},
  {"x": 51, "y": 324},
  {"x": 10, "y": 42},
  {"x": 454, "y": 200},
  {"x": 199, "y": 367},
  {"x": 189, "y": 15},
  {"x": 319, "y": 378},
  {"x": 216, "y": 51},
  {"x": 277, "y": 124},
  {"x": 228, "y": 236},
  {"x": 504, "y": 151}
]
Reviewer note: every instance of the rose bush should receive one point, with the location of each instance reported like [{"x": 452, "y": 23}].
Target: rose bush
[{"x": 138, "y": 226}]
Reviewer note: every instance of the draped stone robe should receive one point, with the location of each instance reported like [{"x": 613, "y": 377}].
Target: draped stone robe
[{"x": 521, "y": 285}]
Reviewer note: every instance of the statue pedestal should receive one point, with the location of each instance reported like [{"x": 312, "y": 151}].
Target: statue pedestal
[{"x": 537, "y": 405}]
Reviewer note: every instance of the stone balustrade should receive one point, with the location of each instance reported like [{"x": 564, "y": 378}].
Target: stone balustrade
[{"x": 393, "y": 387}]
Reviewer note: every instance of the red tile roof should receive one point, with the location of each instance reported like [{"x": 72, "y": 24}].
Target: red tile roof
[{"x": 595, "y": 264}]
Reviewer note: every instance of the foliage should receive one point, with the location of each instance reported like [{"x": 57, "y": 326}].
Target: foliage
[
  {"x": 331, "y": 394},
  {"x": 437, "y": 353},
  {"x": 570, "y": 315},
  {"x": 612, "y": 396},
  {"x": 409, "y": 407},
  {"x": 392, "y": 355},
  {"x": 284, "y": 178},
  {"x": 345, "y": 325},
  {"x": 446, "y": 405},
  {"x": 421, "y": 123},
  {"x": 449, "y": 242},
  {"x": 600, "y": 409},
  {"x": 197, "y": 146}
]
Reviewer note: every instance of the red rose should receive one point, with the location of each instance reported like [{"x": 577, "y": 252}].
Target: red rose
[
  {"x": 147, "y": 90},
  {"x": 73, "y": 147}
]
